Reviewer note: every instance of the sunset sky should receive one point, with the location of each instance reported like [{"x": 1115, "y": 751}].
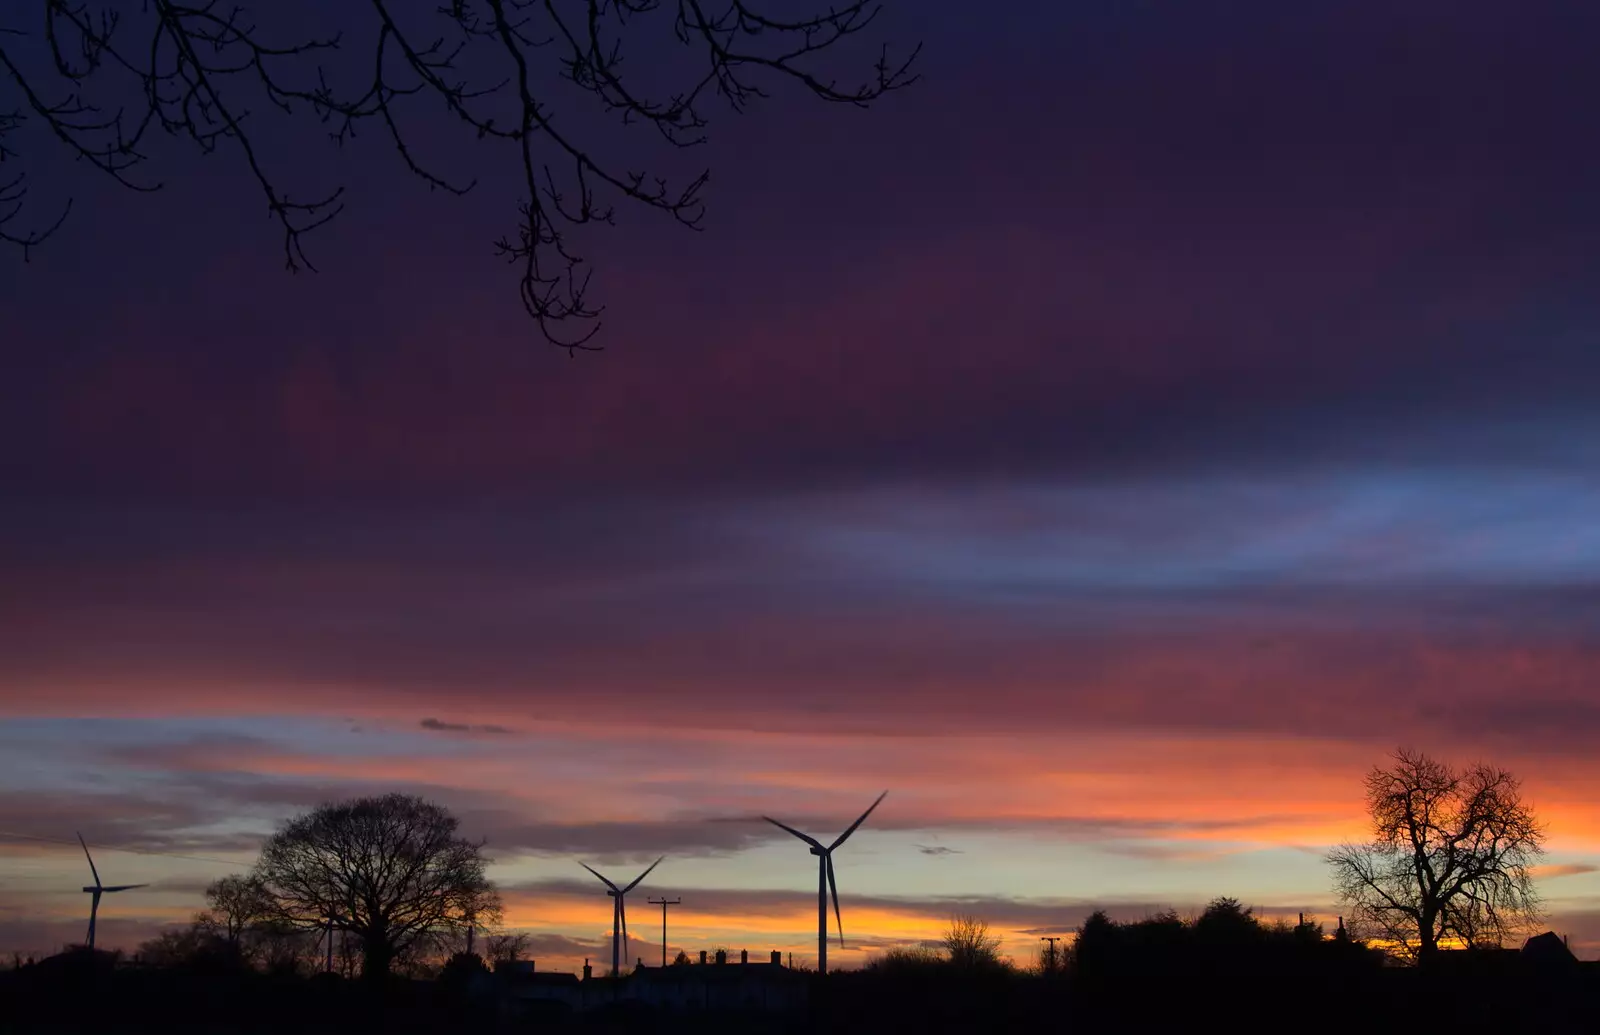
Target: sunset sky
[{"x": 1112, "y": 446}]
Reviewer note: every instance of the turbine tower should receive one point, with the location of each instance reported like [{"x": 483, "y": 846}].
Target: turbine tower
[
  {"x": 99, "y": 889},
  {"x": 825, "y": 881},
  {"x": 619, "y": 913}
]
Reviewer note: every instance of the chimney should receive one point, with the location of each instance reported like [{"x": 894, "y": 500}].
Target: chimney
[
  {"x": 1302, "y": 919},
  {"x": 744, "y": 955},
  {"x": 588, "y": 972},
  {"x": 702, "y": 957},
  {"x": 722, "y": 956},
  {"x": 777, "y": 958}
]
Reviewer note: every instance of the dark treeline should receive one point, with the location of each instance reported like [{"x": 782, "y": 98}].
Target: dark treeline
[
  {"x": 1223, "y": 970},
  {"x": 1225, "y": 967}
]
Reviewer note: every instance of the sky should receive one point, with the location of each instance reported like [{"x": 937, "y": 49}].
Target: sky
[{"x": 1112, "y": 446}]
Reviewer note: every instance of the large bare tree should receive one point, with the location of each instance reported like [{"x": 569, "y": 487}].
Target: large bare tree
[
  {"x": 1449, "y": 860},
  {"x": 532, "y": 81},
  {"x": 392, "y": 871}
]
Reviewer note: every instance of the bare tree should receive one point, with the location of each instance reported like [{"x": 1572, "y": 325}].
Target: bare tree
[
  {"x": 1449, "y": 859},
  {"x": 279, "y": 947},
  {"x": 111, "y": 76},
  {"x": 904, "y": 958},
  {"x": 175, "y": 946},
  {"x": 236, "y": 906},
  {"x": 968, "y": 943},
  {"x": 507, "y": 947},
  {"x": 391, "y": 871}
]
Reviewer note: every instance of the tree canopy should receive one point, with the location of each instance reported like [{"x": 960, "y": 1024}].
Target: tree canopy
[
  {"x": 393, "y": 871},
  {"x": 1449, "y": 860}
]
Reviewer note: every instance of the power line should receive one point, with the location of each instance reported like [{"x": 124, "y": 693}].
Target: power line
[{"x": 121, "y": 848}]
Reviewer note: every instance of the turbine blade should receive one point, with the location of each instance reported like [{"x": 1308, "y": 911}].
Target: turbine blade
[
  {"x": 597, "y": 873},
  {"x": 642, "y": 876},
  {"x": 622, "y": 908},
  {"x": 852, "y": 827},
  {"x": 807, "y": 838},
  {"x": 833, "y": 886},
  {"x": 124, "y": 887},
  {"x": 89, "y": 857}
]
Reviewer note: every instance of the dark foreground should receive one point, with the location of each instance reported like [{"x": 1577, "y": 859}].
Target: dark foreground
[{"x": 1481, "y": 995}]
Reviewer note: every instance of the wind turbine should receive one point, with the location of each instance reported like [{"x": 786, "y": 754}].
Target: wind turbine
[
  {"x": 619, "y": 913},
  {"x": 825, "y": 881},
  {"x": 327, "y": 938},
  {"x": 99, "y": 889}
]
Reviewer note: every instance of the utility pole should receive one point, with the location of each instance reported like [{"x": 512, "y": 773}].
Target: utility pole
[
  {"x": 1050, "y": 957},
  {"x": 664, "y": 903}
]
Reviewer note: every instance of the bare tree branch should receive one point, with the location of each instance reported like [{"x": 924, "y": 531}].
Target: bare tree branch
[{"x": 193, "y": 69}]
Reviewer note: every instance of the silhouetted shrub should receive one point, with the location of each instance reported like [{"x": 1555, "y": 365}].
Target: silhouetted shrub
[{"x": 907, "y": 959}]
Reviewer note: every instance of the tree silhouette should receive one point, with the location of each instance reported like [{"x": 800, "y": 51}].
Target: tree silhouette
[
  {"x": 1227, "y": 924},
  {"x": 237, "y": 905},
  {"x": 1449, "y": 859},
  {"x": 906, "y": 958},
  {"x": 968, "y": 943},
  {"x": 1160, "y": 942},
  {"x": 507, "y": 947},
  {"x": 391, "y": 871},
  {"x": 1096, "y": 948},
  {"x": 103, "y": 80},
  {"x": 194, "y": 946}
]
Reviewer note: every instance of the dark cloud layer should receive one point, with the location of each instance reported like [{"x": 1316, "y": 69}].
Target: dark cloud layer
[
  {"x": 440, "y": 726},
  {"x": 171, "y": 820},
  {"x": 1280, "y": 244},
  {"x": 1328, "y": 234},
  {"x": 810, "y": 647}
]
